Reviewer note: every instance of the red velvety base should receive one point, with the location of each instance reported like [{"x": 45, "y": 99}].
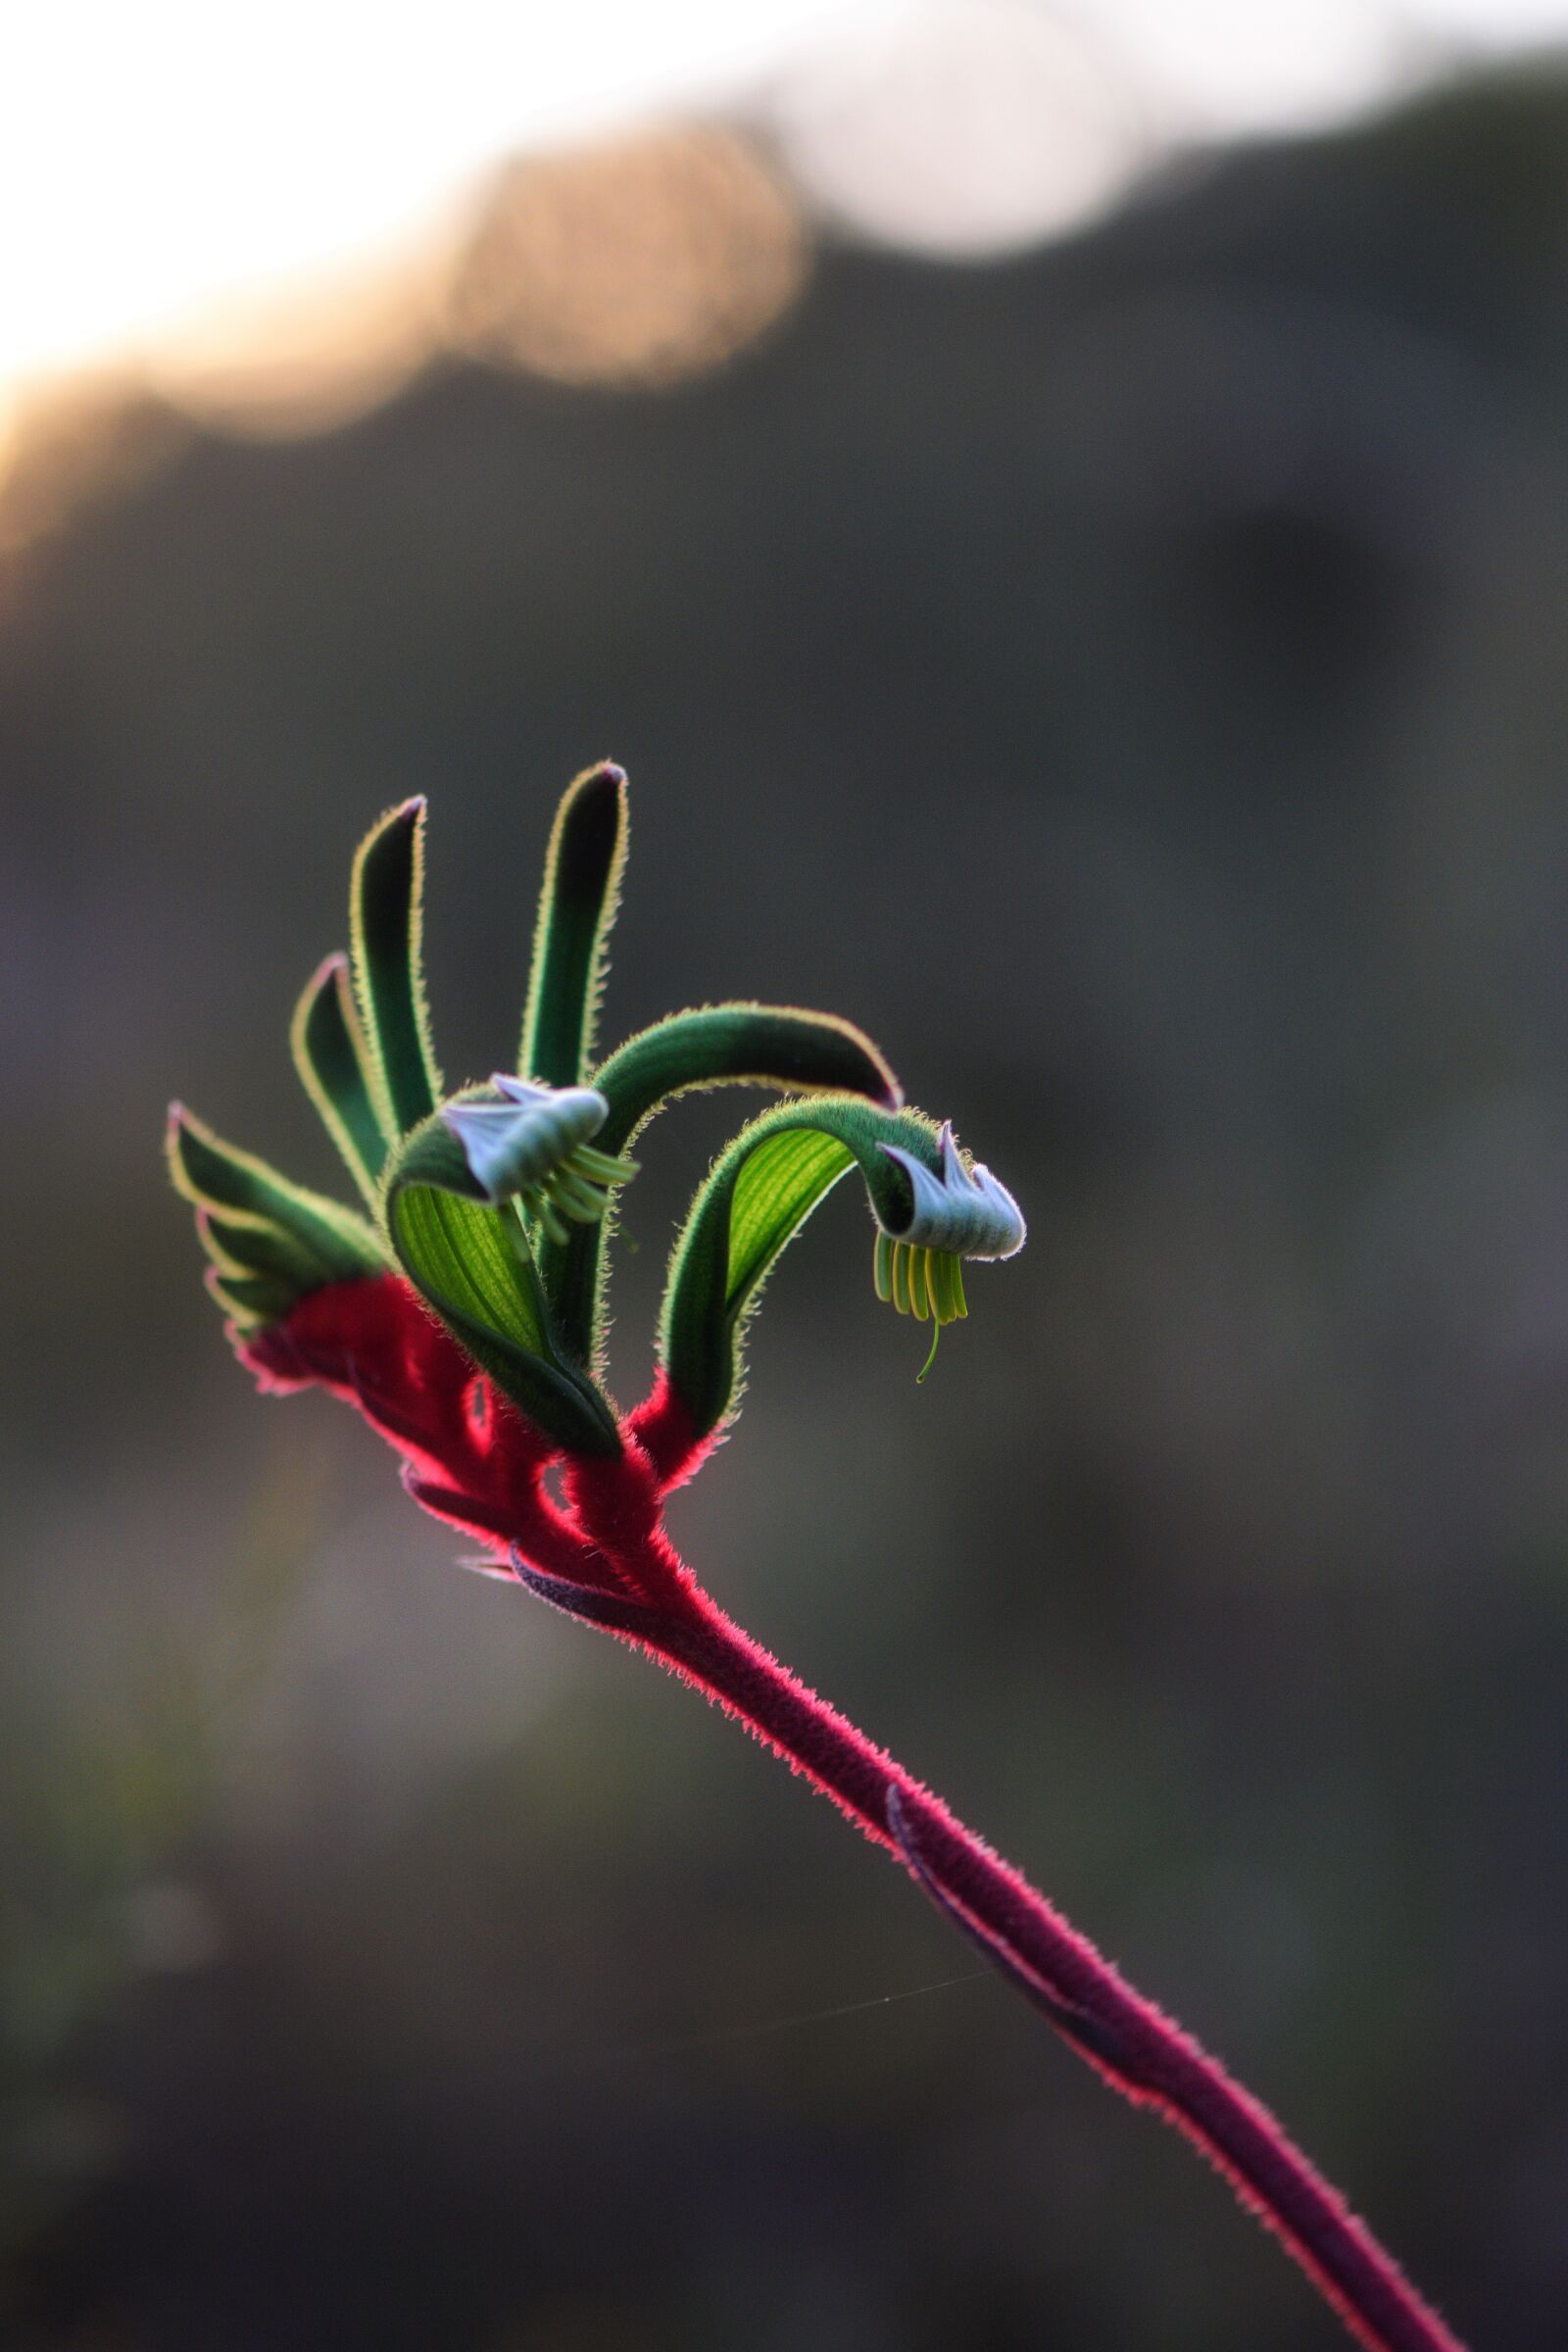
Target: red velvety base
[
  {"x": 376, "y": 1343},
  {"x": 470, "y": 1458}
]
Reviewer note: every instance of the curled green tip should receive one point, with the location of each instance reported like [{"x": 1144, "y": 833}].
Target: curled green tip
[{"x": 936, "y": 1334}]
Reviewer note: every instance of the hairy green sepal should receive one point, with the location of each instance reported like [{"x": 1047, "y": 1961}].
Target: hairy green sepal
[
  {"x": 473, "y": 1264},
  {"x": 717, "y": 1045},
  {"x": 271, "y": 1241},
  {"x": 577, "y": 905},
  {"x": 386, "y": 916},
  {"x": 338, "y": 1074},
  {"x": 759, "y": 1194},
  {"x": 265, "y": 1250}
]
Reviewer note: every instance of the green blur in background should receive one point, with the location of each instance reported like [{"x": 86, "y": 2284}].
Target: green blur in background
[{"x": 1132, "y": 682}]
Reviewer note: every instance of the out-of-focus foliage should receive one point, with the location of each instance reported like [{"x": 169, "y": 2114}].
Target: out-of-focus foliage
[{"x": 1130, "y": 681}]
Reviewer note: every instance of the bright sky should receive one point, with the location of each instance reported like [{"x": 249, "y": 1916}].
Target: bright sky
[{"x": 158, "y": 154}]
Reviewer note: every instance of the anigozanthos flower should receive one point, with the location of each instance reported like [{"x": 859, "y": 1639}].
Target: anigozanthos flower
[
  {"x": 533, "y": 1145},
  {"x": 488, "y": 1205},
  {"x": 465, "y": 1314},
  {"x": 958, "y": 1212}
]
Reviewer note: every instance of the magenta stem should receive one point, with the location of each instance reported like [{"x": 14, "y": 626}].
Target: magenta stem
[{"x": 1142, "y": 2053}]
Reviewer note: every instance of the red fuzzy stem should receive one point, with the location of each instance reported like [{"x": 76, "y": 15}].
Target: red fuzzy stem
[
  {"x": 607, "y": 1558},
  {"x": 663, "y": 1427},
  {"x": 1129, "y": 2041}
]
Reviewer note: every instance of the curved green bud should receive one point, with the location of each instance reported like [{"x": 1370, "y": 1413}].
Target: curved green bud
[
  {"x": 258, "y": 1227},
  {"x": 577, "y": 904},
  {"x": 931, "y": 1211},
  {"x": 759, "y": 1194},
  {"x": 387, "y": 921},
  {"x": 472, "y": 1263},
  {"x": 335, "y": 1067},
  {"x": 717, "y": 1044}
]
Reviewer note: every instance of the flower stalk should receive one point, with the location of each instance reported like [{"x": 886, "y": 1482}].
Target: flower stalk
[
  {"x": 465, "y": 1314},
  {"x": 1130, "y": 2043}
]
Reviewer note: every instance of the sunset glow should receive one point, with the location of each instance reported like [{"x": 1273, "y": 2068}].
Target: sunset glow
[{"x": 180, "y": 182}]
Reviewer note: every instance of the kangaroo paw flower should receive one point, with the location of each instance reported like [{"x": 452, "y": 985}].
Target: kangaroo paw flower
[{"x": 464, "y": 1313}]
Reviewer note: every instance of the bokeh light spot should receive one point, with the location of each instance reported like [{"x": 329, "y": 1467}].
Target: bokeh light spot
[
  {"x": 309, "y": 353},
  {"x": 638, "y": 261},
  {"x": 90, "y": 438},
  {"x": 964, "y": 127}
]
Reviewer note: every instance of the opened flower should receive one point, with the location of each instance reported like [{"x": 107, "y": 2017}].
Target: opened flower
[
  {"x": 958, "y": 1212},
  {"x": 532, "y": 1145}
]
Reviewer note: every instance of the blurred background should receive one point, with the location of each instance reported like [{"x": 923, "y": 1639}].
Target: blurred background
[{"x": 1061, "y": 511}]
